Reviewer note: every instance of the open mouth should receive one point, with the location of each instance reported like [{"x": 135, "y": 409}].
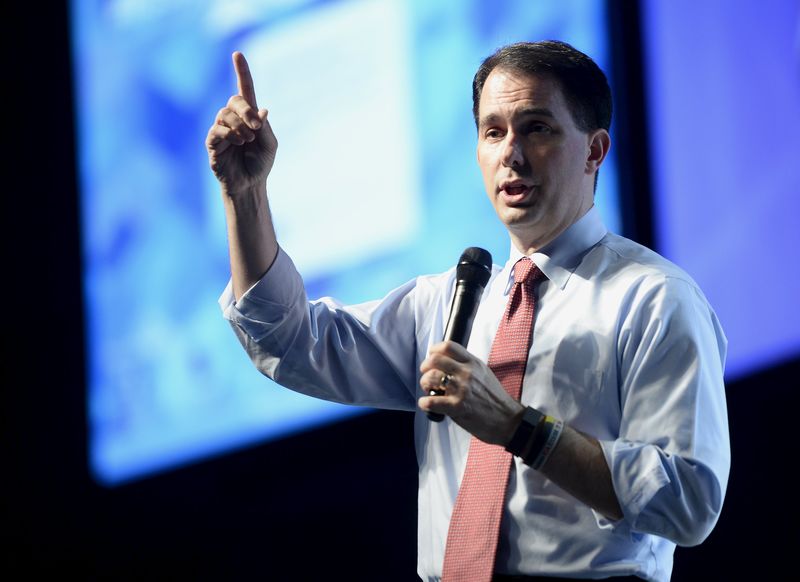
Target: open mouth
[
  {"x": 515, "y": 194},
  {"x": 516, "y": 190}
]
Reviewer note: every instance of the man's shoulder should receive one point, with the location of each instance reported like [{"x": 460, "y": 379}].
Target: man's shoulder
[
  {"x": 434, "y": 283},
  {"x": 628, "y": 259},
  {"x": 632, "y": 272}
]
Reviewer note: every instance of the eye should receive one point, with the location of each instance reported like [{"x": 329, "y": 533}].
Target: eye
[
  {"x": 493, "y": 133},
  {"x": 539, "y": 127}
]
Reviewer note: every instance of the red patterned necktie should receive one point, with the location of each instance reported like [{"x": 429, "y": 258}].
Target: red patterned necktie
[{"x": 475, "y": 524}]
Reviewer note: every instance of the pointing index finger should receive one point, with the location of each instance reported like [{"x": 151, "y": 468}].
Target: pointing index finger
[{"x": 244, "y": 80}]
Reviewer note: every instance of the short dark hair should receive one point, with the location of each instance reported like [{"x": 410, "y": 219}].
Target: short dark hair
[{"x": 583, "y": 84}]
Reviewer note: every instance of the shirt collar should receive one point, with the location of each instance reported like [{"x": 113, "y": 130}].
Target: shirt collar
[{"x": 559, "y": 258}]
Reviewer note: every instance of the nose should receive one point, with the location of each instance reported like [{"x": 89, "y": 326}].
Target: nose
[{"x": 512, "y": 155}]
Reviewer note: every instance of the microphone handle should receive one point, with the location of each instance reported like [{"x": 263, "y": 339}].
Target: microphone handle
[{"x": 459, "y": 325}]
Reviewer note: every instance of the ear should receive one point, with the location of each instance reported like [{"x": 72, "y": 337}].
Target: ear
[{"x": 599, "y": 144}]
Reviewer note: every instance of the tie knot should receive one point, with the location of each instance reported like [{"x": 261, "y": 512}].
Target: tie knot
[{"x": 525, "y": 271}]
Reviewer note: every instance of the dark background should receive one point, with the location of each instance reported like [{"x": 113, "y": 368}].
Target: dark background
[{"x": 339, "y": 502}]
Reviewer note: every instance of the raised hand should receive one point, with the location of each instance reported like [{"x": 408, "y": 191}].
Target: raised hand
[{"x": 241, "y": 145}]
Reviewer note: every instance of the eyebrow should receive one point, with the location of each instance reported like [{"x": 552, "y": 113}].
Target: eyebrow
[{"x": 538, "y": 111}]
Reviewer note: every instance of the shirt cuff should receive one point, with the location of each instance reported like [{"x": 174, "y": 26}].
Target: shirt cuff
[
  {"x": 264, "y": 306},
  {"x": 637, "y": 474}
]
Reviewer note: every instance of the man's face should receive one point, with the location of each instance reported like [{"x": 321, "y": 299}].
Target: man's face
[{"x": 537, "y": 165}]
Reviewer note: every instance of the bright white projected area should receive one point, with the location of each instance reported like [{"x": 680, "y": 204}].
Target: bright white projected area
[
  {"x": 375, "y": 182},
  {"x": 345, "y": 187}
]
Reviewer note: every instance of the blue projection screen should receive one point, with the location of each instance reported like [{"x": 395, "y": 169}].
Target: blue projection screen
[
  {"x": 375, "y": 183},
  {"x": 724, "y": 102}
]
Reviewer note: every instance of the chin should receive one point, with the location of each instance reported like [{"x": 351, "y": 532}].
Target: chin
[{"x": 516, "y": 217}]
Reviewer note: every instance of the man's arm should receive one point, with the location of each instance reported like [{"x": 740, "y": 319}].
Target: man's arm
[
  {"x": 667, "y": 468},
  {"x": 241, "y": 151},
  {"x": 322, "y": 349},
  {"x": 476, "y": 400}
]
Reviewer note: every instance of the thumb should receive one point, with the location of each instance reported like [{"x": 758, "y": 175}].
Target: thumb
[
  {"x": 265, "y": 129},
  {"x": 265, "y": 134}
]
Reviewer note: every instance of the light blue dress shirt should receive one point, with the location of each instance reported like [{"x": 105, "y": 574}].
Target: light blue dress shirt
[{"x": 625, "y": 349}]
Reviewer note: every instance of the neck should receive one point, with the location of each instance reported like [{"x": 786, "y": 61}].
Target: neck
[{"x": 528, "y": 242}]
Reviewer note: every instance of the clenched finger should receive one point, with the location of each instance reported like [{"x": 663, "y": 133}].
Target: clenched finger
[
  {"x": 435, "y": 380},
  {"x": 240, "y": 106},
  {"x": 439, "y": 361},
  {"x": 228, "y": 118},
  {"x": 441, "y": 404},
  {"x": 452, "y": 350},
  {"x": 221, "y": 138}
]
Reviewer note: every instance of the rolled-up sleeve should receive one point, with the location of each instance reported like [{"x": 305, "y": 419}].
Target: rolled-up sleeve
[
  {"x": 269, "y": 303},
  {"x": 362, "y": 354},
  {"x": 671, "y": 461}
]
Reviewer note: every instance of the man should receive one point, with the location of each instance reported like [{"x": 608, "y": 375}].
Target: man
[{"x": 615, "y": 450}]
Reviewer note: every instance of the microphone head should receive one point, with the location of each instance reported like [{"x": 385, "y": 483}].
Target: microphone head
[{"x": 474, "y": 266}]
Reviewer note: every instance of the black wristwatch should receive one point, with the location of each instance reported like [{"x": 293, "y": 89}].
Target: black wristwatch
[{"x": 524, "y": 434}]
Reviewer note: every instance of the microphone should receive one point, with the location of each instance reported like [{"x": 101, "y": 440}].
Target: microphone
[{"x": 472, "y": 273}]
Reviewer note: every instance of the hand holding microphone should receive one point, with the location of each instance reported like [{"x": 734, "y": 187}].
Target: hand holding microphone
[{"x": 472, "y": 273}]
